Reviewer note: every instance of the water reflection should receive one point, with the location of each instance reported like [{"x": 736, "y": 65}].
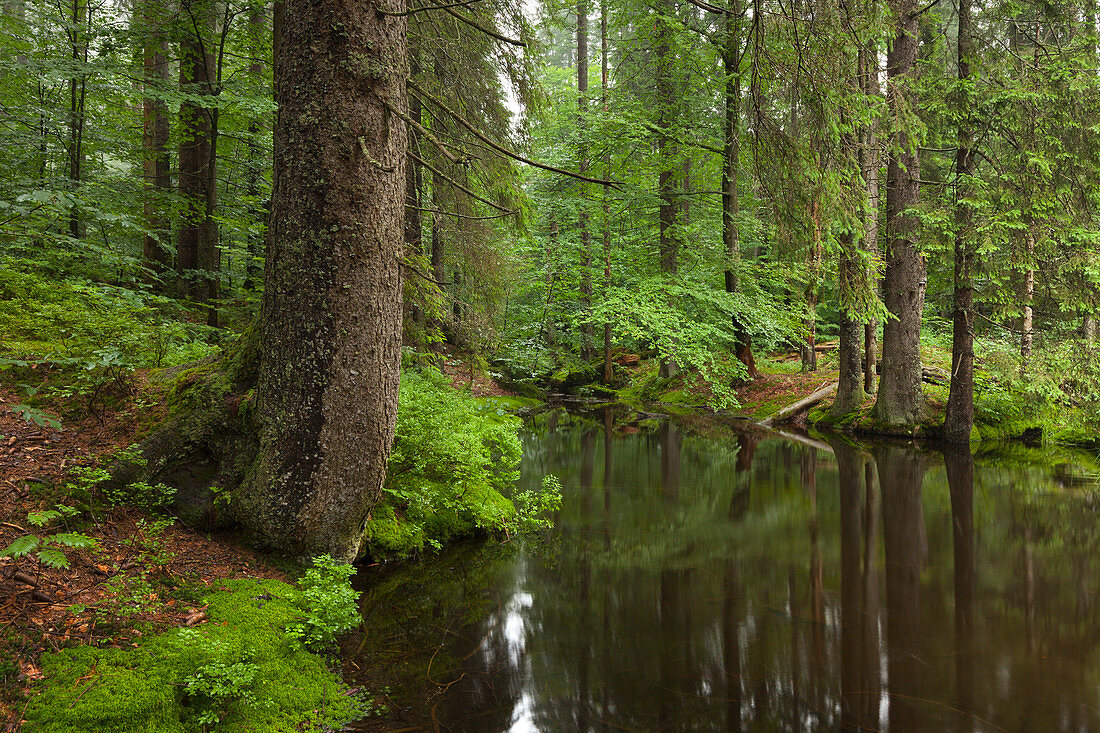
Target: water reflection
[{"x": 742, "y": 583}]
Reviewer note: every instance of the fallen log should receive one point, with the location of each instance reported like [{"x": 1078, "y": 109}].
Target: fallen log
[{"x": 801, "y": 405}]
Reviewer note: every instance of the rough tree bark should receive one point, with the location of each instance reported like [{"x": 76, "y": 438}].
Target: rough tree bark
[
  {"x": 326, "y": 393},
  {"x": 900, "y": 400},
  {"x": 959, "y": 420},
  {"x": 869, "y": 164},
  {"x": 305, "y": 452}
]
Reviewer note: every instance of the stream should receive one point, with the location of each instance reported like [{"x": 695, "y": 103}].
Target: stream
[{"x": 705, "y": 579}]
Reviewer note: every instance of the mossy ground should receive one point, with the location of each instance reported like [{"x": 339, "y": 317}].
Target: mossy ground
[{"x": 141, "y": 689}]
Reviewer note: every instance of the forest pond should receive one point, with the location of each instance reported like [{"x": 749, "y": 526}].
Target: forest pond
[{"x": 705, "y": 579}]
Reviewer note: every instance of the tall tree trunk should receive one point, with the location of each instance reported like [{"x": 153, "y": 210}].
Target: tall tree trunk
[
  {"x": 582, "y": 158},
  {"x": 668, "y": 244},
  {"x": 731, "y": 170},
  {"x": 257, "y": 27},
  {"x": 869, "y": 163},
  {"x": 849, "y": 392},
  {"x": 608, "y": 368},
  {"x": 900, "y": 400},
  {"x": 196, "y": 248},
  {"x": 669, "y": 237},
  {"x": 77, "y": 93},
  {"x": 156, "y": 164},
  {"x": 414, "y": 224},
  {"x": 959, "y": 420},
  {"x": 330, "y": 332}
]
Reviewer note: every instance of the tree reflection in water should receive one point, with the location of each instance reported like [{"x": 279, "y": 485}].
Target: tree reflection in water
[{"x": 734, "y": 582}]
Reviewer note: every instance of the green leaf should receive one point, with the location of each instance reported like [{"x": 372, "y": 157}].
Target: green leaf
[
  {"x": 37, "y": 519},
  {"x": 53, "y": 557},
  {"x": 21, "y": 546},
  {"x": 72, "y": 539}
]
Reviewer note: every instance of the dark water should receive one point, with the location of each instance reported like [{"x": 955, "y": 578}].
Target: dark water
[{"x": 728, "y": 582}]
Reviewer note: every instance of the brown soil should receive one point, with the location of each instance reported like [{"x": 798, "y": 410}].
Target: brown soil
[
  {"x": 457, "y": 367},
  {"x": 778, "y": 390},
  {"x": 43, "y": 608}
]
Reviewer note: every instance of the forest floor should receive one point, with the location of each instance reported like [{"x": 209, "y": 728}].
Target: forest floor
[{"x": 142, "y": 577}]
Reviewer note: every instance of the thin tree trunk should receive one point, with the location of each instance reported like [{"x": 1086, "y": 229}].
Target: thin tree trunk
[
  {"x": 900, "y": 400},
  {"x": 156, "y": 164},
  {"x": 813, "y": 267},
  {"x": 669, "y": 237},
  {"x": 414, "y": 224},
  {"x": 731, "y": 170},
  {"x": 582, "y": 158},
  {"x": 608, "y": 367},
  {"x": 77, "y": 93},
  {"x": 257, "y": 27},
  {"x": 869, "y": 163},
  {"x": 436, "y": 323},
  {"x": 197, "y": 163},
  {"x": 959, "y": 420},
  {"x": 330, "y": 333},
  {"x": 1027, "y": 298},
  {"x": 849, "y": 393}
]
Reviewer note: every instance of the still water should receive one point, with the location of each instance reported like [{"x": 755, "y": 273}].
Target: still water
[{"x": 709, "y": 580}]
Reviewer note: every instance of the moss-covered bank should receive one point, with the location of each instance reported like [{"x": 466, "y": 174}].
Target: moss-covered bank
[{"x": 273, "y": 684}]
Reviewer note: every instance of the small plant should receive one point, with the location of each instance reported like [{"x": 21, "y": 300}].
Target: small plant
[
  {"x": 223, "y": 678},
  {"x": 49, "y": 549},
  {"x": 150, "y": 544},
  {"x": 534, "y": 508},
  {"x": 327, "y": 602},
  {"x": 129, "y": 597}
]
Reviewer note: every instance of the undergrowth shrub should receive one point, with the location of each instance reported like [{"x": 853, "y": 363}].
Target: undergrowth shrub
[
  {"x": 453, "y": 462},
  {"x": 88, "y": 336},
  {"x": 327, "y": 602}
]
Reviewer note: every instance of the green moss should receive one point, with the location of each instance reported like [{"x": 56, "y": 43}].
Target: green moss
[
  {"x": 141, "y": 689},
  {"x": 510, "y": 403},
  {"x": 389, "y": 535}
]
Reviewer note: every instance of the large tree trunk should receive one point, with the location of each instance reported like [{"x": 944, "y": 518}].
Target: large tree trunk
[
  {"x": 900, "y": 398},
  {"x": 959, "y": 420},
  {"x": 196, "y": 249},
  {"x": 330, "y": 331},
  {"x": 156, "y": 165}
]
